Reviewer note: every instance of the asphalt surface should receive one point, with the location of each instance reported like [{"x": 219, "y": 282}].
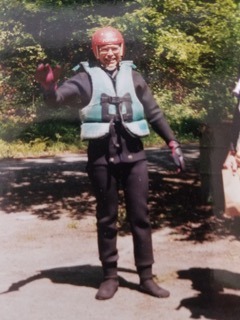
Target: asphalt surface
[{"x": 49, "y": 267}]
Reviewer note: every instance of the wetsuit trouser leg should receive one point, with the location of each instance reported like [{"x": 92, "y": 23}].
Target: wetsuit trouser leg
[{"x": 134, "y": 180}]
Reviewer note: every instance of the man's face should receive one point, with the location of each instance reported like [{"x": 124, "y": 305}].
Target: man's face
[{"x": 110, "y": 56}]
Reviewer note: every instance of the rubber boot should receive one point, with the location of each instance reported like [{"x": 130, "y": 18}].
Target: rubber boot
[
  {"x": 110, "y": 282},
  {"x": 107, "y": 289},
  {"x": 148, "y": 285}
]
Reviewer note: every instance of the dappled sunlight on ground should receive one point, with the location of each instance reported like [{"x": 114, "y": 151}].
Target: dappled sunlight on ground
[{"x": 51, "y": 187}]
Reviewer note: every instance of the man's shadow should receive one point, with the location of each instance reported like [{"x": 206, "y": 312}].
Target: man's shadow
[
  {"x": 212, "y": 302},
  {"x": 83, "y": 276}
]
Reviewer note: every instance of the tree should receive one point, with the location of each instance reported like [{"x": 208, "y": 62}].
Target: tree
[
  {"x": 19, "y": 53},
  {"x": 191, "y": 50},
  {"x": 187, "y": 50}
]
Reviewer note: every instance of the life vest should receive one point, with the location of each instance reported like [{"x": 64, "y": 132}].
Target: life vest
[{"x": 109, "y": 104}]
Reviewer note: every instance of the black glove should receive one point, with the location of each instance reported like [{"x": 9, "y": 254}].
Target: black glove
[{"x": 177, "y": 155}]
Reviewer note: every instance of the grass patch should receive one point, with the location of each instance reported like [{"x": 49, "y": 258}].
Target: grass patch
[
  {"x": 20, "y": 138},
  {"x": 32, "y": 139},
  {"x": 36, "y": 148}
]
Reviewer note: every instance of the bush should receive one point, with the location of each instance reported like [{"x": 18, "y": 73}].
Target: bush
[{"x": 185, "y": 117}]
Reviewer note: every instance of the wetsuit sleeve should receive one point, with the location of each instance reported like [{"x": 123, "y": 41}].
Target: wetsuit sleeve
[
  {"x": 76, "y": 89},
  {"x": 153, "y": 113}
]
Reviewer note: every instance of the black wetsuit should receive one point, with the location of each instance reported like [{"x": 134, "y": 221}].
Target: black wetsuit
[{"x": 116, "y": 161}]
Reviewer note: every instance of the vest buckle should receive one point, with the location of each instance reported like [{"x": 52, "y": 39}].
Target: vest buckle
[{"x": 114, "y": 100}]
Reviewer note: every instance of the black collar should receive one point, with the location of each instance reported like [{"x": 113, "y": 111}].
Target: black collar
[{"x": 112, "y": 73}]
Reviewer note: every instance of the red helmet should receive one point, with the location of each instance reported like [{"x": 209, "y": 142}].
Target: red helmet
[{"x": 106, "y": 35}]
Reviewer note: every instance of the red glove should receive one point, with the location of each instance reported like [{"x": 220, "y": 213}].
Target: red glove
[
  {"x": 47, "y": 76},
  {"x": 177, "y": 155}
]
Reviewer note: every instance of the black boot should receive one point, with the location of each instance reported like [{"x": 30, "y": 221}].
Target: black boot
[
  {"x": 110, "y": 282},
  {"x": 148, "y": 285},
  {"x": 107, "y": 289},
  {"x": 152, "y": 288}
]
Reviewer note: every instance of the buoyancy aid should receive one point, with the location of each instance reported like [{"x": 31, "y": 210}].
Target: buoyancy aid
[{"x": 109, "y": 104}]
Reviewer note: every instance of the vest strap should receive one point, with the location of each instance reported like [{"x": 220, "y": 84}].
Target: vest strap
[
  {"x": 112, "y": 104},
  {"x": 122, "y": 108},
  {"x": 115, "y": 100}
]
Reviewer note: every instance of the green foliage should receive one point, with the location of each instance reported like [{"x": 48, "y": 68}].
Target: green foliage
[
  {"x": 54, "y": 129},
  {"x": 19, "y": 54},
  {"x": 33, "y": 139},
  {"x": 188, "y": 51},
  {"x": 64, "y": 3},
  {"x": 189, "y": 47},
  {"x": 35, "y": 148},
  {"x": 185, "y": 117}
]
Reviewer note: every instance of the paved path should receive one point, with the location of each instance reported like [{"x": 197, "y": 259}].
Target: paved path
[{"x": 49, "y": 269}]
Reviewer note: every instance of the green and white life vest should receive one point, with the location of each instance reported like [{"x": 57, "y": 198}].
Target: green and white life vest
[{"x": 110, "y": 104}]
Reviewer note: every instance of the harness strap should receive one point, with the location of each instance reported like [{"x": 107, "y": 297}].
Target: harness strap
[{"x": 122, "y": 111}]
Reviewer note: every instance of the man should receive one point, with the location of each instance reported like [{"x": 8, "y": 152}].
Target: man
[{"x": 115, "y": 104}]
